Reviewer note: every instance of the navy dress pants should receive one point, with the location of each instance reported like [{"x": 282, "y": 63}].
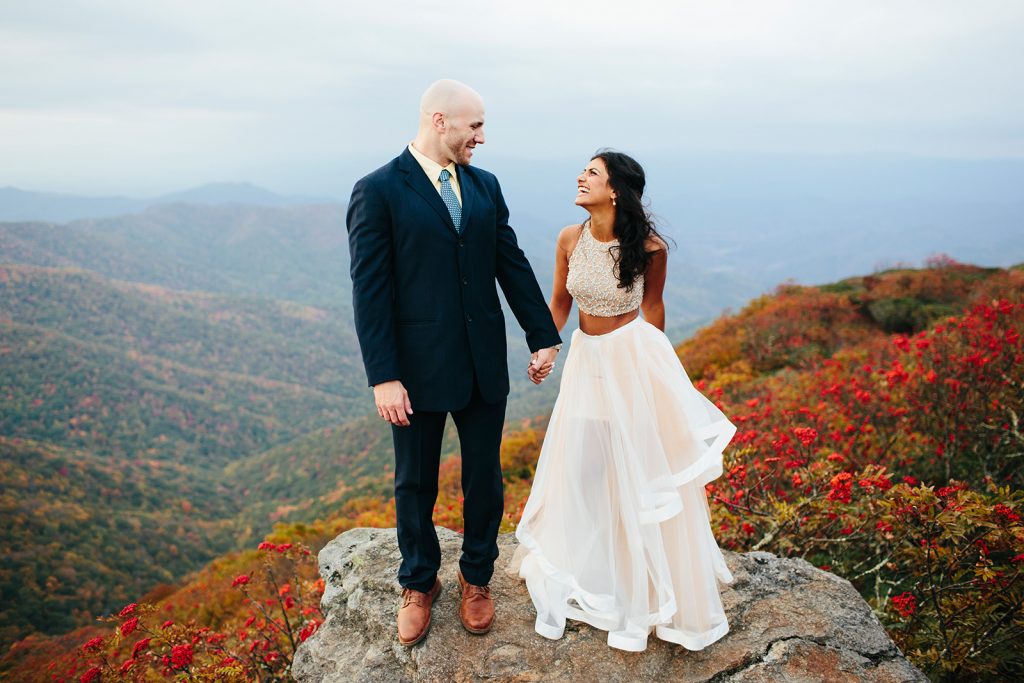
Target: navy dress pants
[{"x": 417, "y": 457}]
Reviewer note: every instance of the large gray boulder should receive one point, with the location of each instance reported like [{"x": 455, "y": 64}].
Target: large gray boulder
[{"x": 788, "y": 622}]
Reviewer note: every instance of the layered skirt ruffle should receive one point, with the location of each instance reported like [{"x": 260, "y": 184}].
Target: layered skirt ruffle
[{"x": 616, "y": 531}]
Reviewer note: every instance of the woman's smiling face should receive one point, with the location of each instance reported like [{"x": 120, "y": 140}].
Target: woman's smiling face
[{"x": 592, "y": 187}]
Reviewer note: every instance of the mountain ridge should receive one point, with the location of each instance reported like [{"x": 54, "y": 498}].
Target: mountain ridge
[{"x": 17, "y": 205}]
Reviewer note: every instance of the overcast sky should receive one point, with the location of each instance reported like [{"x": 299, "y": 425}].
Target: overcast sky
[{"x": 146, "y": 96}]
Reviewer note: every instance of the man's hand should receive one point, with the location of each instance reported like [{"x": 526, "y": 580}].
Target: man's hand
[
  {"x": 541, "y": 364},
  {"x": 393, "y": 402}
]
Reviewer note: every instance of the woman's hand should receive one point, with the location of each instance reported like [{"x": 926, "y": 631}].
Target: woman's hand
[{"x": 541, "y": 364}]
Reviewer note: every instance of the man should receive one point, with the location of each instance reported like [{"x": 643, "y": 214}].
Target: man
[{"x": 429, "y": 237}]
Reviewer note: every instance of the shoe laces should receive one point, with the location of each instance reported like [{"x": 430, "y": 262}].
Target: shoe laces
[
  {"x": 410, "y": 596},
  {"x": 474, "y": 591}
]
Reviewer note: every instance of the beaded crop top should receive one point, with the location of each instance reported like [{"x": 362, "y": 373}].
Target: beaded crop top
[{"x": 593, "y": 279}]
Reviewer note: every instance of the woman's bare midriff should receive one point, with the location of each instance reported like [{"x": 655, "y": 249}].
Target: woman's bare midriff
[{"x": 596, "y": 325}]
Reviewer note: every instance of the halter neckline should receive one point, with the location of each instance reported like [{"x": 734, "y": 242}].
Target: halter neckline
[{"x": 586, "y": 225}]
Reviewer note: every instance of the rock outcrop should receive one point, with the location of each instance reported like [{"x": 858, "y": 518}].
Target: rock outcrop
[{"x": 788, "y": 622}]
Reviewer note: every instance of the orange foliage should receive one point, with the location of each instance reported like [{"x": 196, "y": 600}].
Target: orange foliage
[{"x": 844, "y": 434}]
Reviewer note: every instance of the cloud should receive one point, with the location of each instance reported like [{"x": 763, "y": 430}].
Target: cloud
[{"x": 179, "y": 88}]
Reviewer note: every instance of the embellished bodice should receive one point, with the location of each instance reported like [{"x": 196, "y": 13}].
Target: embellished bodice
[{"x": 593, "y": 279}]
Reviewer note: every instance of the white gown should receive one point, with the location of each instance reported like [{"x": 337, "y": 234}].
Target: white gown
[{"x": 616, "y": 531}]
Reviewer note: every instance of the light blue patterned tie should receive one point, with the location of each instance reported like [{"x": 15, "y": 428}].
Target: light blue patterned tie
[{"x": 450, "y": 200}]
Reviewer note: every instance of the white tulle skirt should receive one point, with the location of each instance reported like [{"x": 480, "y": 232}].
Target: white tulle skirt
[{"x": 616, "y": 531}]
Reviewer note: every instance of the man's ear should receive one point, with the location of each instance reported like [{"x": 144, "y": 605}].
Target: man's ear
[{"x": 438, "y": 121}]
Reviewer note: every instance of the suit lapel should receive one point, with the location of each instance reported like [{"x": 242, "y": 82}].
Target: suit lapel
[{"x": 417, "y": 180}]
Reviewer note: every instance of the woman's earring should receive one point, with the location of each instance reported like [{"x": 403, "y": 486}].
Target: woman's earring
[{"x": 613, "y": 201}]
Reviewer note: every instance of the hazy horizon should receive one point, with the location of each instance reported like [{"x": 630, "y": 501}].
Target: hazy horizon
[{"x": 707, "y": 174}]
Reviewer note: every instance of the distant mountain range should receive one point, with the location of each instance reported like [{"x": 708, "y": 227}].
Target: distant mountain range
[
  {"x": 741, "y": 222},
  {"x": 297, "y": 252},
  {"x": 22, "y": 205},
  {"x": 763, "y": 219}
]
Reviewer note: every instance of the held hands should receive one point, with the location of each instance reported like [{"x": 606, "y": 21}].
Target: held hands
[
  {"x": 393, "y": 402},
  {"x": 542, "y": 362}
]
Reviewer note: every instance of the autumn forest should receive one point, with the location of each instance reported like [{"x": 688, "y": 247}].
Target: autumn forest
[{"x": 174, "y": 457}]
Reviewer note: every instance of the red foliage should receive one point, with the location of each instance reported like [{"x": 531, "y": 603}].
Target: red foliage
[
  {"x": 181, "y": 656},
  {"x": 128, "y": 627},
  {"x": 905, "y": 604},
  {"x": 280, "y": 599}
]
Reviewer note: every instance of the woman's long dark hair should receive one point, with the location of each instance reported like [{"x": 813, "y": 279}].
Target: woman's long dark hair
[{"x": 634, "y": 225}]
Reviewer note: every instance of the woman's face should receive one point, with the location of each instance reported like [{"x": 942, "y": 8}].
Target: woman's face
[{"x": 592, "y": 188}]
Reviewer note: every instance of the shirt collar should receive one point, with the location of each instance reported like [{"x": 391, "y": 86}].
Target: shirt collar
[{"x": 430, "y": 167}]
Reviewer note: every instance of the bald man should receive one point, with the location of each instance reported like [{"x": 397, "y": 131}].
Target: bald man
[{"x": 429, "y": 240}]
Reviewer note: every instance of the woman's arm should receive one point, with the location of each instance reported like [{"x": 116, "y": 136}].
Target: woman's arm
[
  {"x": 653, "y": 306},
  {"x": 561, "y": 300}
]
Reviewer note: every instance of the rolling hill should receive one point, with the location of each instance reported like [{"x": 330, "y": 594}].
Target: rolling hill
[
  {"x": 843, "y": 394},
  {"x": 120, "y": 406}
]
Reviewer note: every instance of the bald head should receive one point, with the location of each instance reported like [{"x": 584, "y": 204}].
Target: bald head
[
  {"x": 448, "y": 97},
  {"x": 451, "y": 122}
]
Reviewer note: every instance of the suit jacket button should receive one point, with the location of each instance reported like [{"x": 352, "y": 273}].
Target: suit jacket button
[
  {"x": 465, "y": 281},
  {"x": 461, "y": 243},
  {"x": 469, "y": 318}
]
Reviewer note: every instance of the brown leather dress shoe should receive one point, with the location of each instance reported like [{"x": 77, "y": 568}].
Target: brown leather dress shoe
[
  {"x": 477, "y": 610},
  {"x": 414, "y": 614}
]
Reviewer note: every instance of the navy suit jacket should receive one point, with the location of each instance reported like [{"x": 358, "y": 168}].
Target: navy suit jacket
[{"x": 426, "y": 307}]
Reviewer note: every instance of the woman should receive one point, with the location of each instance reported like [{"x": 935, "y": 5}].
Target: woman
[{"x": 616, "y": 531}]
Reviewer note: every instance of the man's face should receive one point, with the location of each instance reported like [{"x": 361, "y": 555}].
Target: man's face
[{"x": 464, "y": 130}]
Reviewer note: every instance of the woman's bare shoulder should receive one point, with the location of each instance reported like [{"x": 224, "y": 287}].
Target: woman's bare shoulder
[
  {"x": 569, "y": 236},
  {"x": 655, "y": 243}
]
